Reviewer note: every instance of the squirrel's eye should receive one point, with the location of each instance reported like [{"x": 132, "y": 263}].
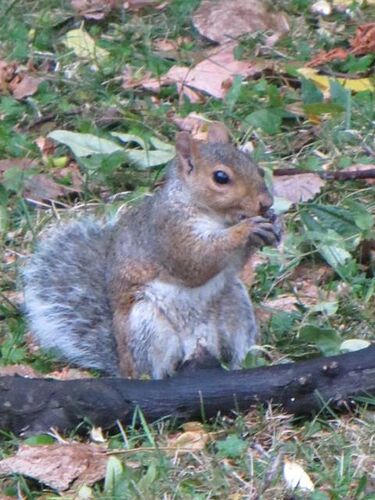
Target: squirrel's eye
[{"x": 221, "y": 177}]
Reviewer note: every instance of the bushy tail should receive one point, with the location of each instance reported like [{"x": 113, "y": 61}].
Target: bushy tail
[{"x": 66, "y": 298}]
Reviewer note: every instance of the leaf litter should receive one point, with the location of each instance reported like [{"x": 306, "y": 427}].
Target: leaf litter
[{"x": 59, "y": 466}]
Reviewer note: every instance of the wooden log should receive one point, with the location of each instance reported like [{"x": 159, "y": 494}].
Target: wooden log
[{"x": 35, "y": 405}]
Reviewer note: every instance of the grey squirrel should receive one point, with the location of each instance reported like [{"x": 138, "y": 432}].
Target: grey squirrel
[{"x": 158, "y": 287}]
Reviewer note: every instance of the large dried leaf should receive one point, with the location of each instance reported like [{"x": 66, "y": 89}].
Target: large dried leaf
[
  {"x": 225, "y": 20},
  {"x": 93, "y": 9},
  {"x": 24, "y": 85},
  {"x": 213, "y": 75},
  {"x": 297, "y": 188},
  {"x": 58, "y": 465},
  {"x": 41, "y": 187},
  {"x": 22, "y": 163}
]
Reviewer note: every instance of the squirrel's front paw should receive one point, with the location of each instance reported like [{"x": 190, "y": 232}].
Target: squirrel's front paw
[{"x": 263, "y": 231}]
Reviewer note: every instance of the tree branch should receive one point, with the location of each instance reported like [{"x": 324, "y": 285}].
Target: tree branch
[{"x": 35, "y": 405}]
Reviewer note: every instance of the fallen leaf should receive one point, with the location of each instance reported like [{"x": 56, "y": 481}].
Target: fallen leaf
[
  {"x": 7, "y": 73},
  {"x": 189, "y": 441},
  {"x": 45, "y": 145},
  {"x": 194, "y": 123},
  {"x": 41, "y": 187},
  {"x": 193, "y": 426},
  {"x": 58, "y": 466},
  {"x": 132, "y": 79},
  {"x": 362, "y": 43},
  {"x": 67, "y": 373},
  {"x": 306, "y": 281},
  {"x": 24, "y": 85},
  {"x": 22, "y": 163},
  {"x": 226, "y": 20},
  {"x": 323, "y": 82},
  {"x": 84, "y": 144},
  {"x": 352, "y": 345},
  {"x": 83, "y": 45},
  {"x": 20, "y": 370},
  {"x": 364, "y": 39},
  {"x": 297, "y": 188},
  {"x": 213, "y": 75},
  {"x": 73, "y": 173},
  {"x": 295, "y": 476},
  {"x": 93, "y": 9},
  {"x": 332, "y": 55},
  {"x": 96, "y": 435},
  {"x": 321, "y": 7},
  {"x": 159, "y": 153}
]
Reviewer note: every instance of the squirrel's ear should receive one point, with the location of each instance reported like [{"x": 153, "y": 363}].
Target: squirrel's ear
[
  {"x": 218, "y": 132},
  {"x": 183, "y": 144},
  {"x": 187, "y": 152}
]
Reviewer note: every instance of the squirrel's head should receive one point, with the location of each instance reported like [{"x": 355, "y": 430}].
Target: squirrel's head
[{"x": 221, "y": 178}]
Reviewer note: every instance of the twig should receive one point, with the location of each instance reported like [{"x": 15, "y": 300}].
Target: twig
[{"x": 335, "y": 175}]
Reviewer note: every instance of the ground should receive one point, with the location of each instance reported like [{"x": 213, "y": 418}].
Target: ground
[{"x": 100, "y": 69}]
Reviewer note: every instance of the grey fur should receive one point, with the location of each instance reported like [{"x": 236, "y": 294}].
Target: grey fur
[{"x": 66, "y": 299}]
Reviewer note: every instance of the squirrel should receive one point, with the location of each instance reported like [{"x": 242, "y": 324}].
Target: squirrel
[{"x": 160, "y": 285}]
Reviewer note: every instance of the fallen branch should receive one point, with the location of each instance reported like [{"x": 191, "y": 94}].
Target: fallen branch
[
  {"x": 334, "y": 175},
  {"x": 36, "y": 405}
]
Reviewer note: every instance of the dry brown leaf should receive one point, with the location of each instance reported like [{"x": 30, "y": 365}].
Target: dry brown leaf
[
  {"x": 45, "y": 145},
  {"x": 297, "y": 188},
  {"x": 24, "y": 85},
  {"x": 364, "y": 39},
  {"x": 22, "y": 163},
  {"x": 7, "y": 72},
  {"x": 362, "y": 43},
  {"x": 94, "y": 9},
  {"x": 41, "y": 187},
  {"x": 226, "y": 20},
  {"x": 193, "y": 122},
  {"x": 59, "y": 466},
  {"x": 213, "y": 75},
  {"x": 193, "y": 426},
  {"x": 323, "y": 57},
  {"x": 67, "y": 373},
  {"x": 75, "y": 177},
  {"x": 131, "y": 80},
  {"x": 248, "y": 271},
  {"x": 189, "y": 441},
  {"x": 20, "y": 370},
  {"x": 306, "y": 281}
]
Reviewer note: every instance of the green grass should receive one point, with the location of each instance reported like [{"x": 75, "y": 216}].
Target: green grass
[{"x": 245, "y": 455}]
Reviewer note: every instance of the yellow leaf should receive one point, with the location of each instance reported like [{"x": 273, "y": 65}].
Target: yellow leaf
[
  {"x": 323, "y": 82},
  {"x": 83, "y": 45}
]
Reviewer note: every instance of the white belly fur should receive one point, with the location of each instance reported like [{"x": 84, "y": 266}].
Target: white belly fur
[{"x": 189, "y": 311}]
